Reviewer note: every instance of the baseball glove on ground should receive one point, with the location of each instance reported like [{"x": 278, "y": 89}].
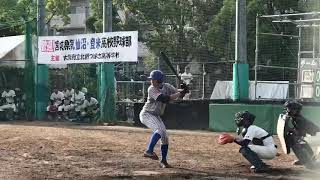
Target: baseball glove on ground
[{"x": 225, "y": 138}]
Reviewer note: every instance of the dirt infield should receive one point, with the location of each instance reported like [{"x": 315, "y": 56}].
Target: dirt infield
[{"x": 43, "y": 150}]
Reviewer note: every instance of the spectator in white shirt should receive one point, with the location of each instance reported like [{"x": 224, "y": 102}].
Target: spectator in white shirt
[{"x": 186, "y": 77}]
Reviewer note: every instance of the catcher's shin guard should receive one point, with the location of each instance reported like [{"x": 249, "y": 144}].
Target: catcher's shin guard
[
  {"x": 252, "y": 157},
  {"x": 304, "y": 153}
]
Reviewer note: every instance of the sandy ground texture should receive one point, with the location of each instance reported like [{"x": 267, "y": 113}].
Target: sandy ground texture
[{"x": 59, "y": 150}]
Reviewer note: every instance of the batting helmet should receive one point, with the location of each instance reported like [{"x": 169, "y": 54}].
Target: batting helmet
[
  {"x": 244, "y": 118},
  {"x": 156, "y": 75},
  {"x": 292, "y": 107}
]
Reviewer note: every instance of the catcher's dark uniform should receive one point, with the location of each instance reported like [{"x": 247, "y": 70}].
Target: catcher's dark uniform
[{"x": 296, "y": 129}]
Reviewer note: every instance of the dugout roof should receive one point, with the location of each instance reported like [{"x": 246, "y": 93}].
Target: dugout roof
[{"x": 12, "y": 52}]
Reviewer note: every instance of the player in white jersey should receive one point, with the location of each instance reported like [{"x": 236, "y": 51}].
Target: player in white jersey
[
  {"x": 90, "y": 107},
  {"x": 56, "y": 97},
  {"x": 91, "y": 101},
  {"x": 8, "y": 95},
  {"x": 77, "y": 100},
  {"x": 159, "y": 94},
  {"x": 84, "y": 90},
  {"x": 68, "y": 92},
  {"x": 255, "y": 142},
  {"x": 56, "y": 100}
]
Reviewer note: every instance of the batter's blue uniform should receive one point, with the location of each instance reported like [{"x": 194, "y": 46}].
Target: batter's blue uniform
[
  {"x": 153, "y": 109},
  {"x": 151, "y": 112}
]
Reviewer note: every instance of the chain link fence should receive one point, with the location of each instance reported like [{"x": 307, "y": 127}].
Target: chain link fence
[{"x": 287, "y": 53}]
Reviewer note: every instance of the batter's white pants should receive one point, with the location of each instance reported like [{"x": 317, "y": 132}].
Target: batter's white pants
[
  {"x": 155, "y": 123},
  {"x": 264, "y": 152}
]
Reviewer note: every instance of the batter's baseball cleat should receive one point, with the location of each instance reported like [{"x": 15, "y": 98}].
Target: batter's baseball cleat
[
  {"x": 152, "y": 155},
  {"x": 164, "y": 164}
]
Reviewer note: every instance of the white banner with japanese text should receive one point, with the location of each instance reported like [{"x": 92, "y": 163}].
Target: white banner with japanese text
[{"x": 89, "y": 48}]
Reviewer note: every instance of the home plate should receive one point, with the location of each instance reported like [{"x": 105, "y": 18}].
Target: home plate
[{"x": 145, "y": 173}]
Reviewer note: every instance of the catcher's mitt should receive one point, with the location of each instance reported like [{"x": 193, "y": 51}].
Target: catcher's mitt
[{"x": 225, "y": 138}]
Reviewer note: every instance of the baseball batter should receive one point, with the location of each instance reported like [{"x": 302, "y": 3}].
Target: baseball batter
[
  {"x": 159, "y": 94},
  {"x": 255, "y": 142}
]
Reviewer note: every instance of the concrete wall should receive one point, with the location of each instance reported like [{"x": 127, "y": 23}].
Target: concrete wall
[
  {"x": 181, "y": 115},
  {"x": 219, "y": 116}
]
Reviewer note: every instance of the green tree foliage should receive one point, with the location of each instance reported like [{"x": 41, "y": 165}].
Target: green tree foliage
[
  {"x": 177, "y": 27},
  {"x": 94, "y": 22},
  {"x": 220, "y": 33},
  {"x": 14, "y": 13},
  {"x": 205, "y": 29},
  {"x": 58, "y": 8}
]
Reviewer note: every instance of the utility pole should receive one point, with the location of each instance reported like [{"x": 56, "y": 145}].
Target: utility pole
[
  {"x": 41, "y": 71},
  {"x": 240, "y": 67},
  {"x": 106, "y": 73}
]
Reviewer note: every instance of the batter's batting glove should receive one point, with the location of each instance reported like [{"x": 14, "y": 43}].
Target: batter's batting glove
[{"x": 225, "y": 138}]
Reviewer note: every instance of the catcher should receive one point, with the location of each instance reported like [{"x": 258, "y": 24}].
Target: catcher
[
  {"x": 295, "y": 131},
  {"x": 255, "y": 142}
]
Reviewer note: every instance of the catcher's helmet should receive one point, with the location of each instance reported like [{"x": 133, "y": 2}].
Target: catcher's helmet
[
  {"x": 292, "y": 107},
  {"x": 156, "y": 75},
  {"x": 244, "y": 118}
]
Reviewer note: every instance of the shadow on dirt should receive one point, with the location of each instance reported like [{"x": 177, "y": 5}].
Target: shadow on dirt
[{"x": 193, "y": 174}]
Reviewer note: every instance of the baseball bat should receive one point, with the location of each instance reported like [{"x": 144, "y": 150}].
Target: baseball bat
[{"x": 168, "y": 62}]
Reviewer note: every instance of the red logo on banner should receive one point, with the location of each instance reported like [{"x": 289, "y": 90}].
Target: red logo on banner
[
  {"x": 55, "y": 58},
  {"x": 47, "y": 46}
]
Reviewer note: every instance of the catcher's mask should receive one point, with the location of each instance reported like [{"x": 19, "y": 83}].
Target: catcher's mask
[
  {"x": 244, "y": 119},
  {"x": 292, "y": 107}
]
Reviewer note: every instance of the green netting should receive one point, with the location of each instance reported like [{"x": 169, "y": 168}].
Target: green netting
[
  {"x": 106, "y": 92},
  {"x": 41, "y": 93},
  {"x": 29, "y": 74}
]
